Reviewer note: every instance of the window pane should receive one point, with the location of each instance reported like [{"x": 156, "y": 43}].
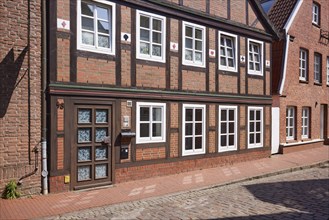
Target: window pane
[
  {"x": 103, "y": 27},
  {"x": 188, "y": 114},
  {"x": 84, "y": 173},
  {"x": 144, "y": 48},
  {"x": 87, "y": 9},
  {"x": 231, "y": 140},
  {"x": 222, "y": 43},
  {"x": 198, "y": 45},
  {"x": 251, "y": 139},
  {"x": 222, "y": 51},
  {"x": 291, "y": 131},
  {"x": 258, "y": 138},
  {"x": 188, "y": 143},
  {"x": 157, "y": 114},
  {"x": 145, "y": 22},
  {"x": 198, "y": 34},
  {"x": 223, "y": 115},
  {"x": 198, "y": 128},
  {"x": 188, "y": 128},
  {"x": 198, "y": 56},
  {"x": 100, "y": 171},
  {"x": 198, "y": 114},
  {"x": 101, "y": 133},
  {"x": 188, "y": 31},
  {"x": 87, "y": 24},
  {"x": 198, "y": 142},
  {"x": 252, "y": 115},
  {"x": 257, "y": 126},
  {"x": 145, "y": 35},
  {"x": 101, "y": 153},
  {"x": 257, "y": 67},
  {"x": 231, "y": 115},
  {"x": 251, "y": 66},
  {"x": 87, "y": 38},
  {"x": 145, "y": 130},
  {"x": 188, "y": 43},
  {"x": 84, "y": 135},
  {"x": 223, "y": 128},
  {"x": 144, "y": 114},
  {"x": 156, "y": 50},
  {"x": 156, "y": 37},
  {"x": 103, "y": 41},
  {"x": 252, "y": 127},
  {"x": 223, "y": 61},
  {"x": 258, "y": 115},
  {"x": 156, "y": 130},
  {"x": 223, "y": 140},
  {"x": 102, "y": 13},
  {"x": 84, "y": 116},
  {"x": 230, "y": 63},
  {"x": 157, "y": 24},
  {"x": 231, "y": 127},
  {"x": 84, "y": 154},
  {"x": 188, "y": 55},
  {"x": 229, "y": 52}
]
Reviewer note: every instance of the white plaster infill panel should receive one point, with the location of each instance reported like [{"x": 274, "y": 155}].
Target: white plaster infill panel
[{"x": 63, "y": 24}]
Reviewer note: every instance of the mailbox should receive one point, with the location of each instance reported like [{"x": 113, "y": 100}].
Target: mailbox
[{"x": 126, "y": 136}]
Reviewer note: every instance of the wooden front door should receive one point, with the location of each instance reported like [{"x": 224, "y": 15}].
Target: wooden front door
[{"x": 91, "y": 148}]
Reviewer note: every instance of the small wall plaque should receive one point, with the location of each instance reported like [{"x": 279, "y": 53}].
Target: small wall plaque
[
  {"x": 63, "y": 24},
  {"x": 125, "y": 37},
  {"x": 242, "y": 59},
  {"x": 212, "y": 53},
  {"x": 173, "y": 46}
]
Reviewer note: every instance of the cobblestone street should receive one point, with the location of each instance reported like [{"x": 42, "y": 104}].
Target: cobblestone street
[{"x": 301, "y": 194}]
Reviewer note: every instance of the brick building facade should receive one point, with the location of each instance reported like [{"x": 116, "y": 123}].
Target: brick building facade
[
  {"x": 20, "y": 93},
  {"x": 301, "y": 73},
  {"x": 140, "y": 88}
]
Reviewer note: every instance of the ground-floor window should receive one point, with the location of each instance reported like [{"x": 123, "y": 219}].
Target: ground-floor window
[
  {"x": 193, "y": 138},
  {"x": 227, "y": 129},
  {"x": 255, "y": 127},
  {"x": 290, "y": 123},
  {"x": 305, "y": 122},
  {"x": 150, "y": 122}
]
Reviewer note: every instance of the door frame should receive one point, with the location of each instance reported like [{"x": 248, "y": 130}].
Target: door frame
[{"x": 71, "y": 134}]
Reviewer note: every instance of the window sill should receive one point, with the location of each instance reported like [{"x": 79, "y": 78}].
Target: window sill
[
  {"x": 254, "y": 146},
  {"x": 316, "y": 25},
  {"x": 317, "y": 83},
  {"x": 301, "y": 142},
  {"x": 303, "y": 81}
]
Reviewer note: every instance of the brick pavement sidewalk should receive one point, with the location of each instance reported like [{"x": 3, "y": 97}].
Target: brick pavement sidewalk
[{"x": 55, "y": 204}]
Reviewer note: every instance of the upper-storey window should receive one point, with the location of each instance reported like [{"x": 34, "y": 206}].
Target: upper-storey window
[
  {"x": 96, "y": 25},
  {"x": 317, "y": 68},
  {"x": 316, "y": 14},
  {"x": 151, "y": 36},
  {"x": 327, "y": 70},
  {"x": 194, "y": 43},
  {"x": 303, "y": 64},
  {"x": 227, "y": 51},
  {"x": 255, "y": 57}
]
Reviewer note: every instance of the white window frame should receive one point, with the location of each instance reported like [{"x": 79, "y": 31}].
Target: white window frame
[
  {"x": 315, "y": 13},
  {"x": 193, "y": 62},
  {"x": 151, "y": 57},
  {"x": 112, "y": 16},
  {"x": 150, "y": 139},
  {"x": 317, "y": 68},
  {"x": 261, "y": 54},
  {"x": 256, "y": 145},
  {"x": 302, "y": 60},
  {"x": 194, "y": 151},
  {"x": 227, "y": 121},
  {"x": 305, "y": 126},
  {"x": 290, "y": 114},
  {"x": 327, "y": 70},
  {"x": 234, "y": 38}
]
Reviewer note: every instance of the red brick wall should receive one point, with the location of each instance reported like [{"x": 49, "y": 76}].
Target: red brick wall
[
  {"x": 56, "y": 184},
  {"x": 14, "y": 117},
  {"x": 195, "y": 81}
]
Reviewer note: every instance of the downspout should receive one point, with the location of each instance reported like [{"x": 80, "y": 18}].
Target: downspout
[
  {"x": 287, "y": 36},
  {"x": 44, "y": 172}
]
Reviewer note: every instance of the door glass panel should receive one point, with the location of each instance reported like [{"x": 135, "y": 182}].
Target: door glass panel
[
  {"x": 84, "y": 154},
  {"x": 101, "y": 133},
  {"x": 84, "y": 116},
  {"x": 100, "y": 171},
  {"x": 101, "y": 153},
  {"x": 84, "y": 135},
  {"x": 101, "y": 116},
  {"x": 84, "y": 173}
]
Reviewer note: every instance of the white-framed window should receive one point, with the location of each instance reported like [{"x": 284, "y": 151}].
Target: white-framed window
[
  {"x": 303, "y": 64},
  {"x": 194, "y": 125},
  {"x": 305, "y": 122},
  {"x": 228, "y": 51},
  {"x": 96, "y": 26},
  {"x": 150, "y": 36},
  {"x": 315, "y": 13},
  {"x": 327, "y": 70},
  {"x": 317, "y": 68},
  {"x": 194, "y": 44},
  {"x": 290, "y": 123},
  {"x": 255, "y": 57},
  {"x": 255, "y": 127},
  {"x": 150, "y": 122},
  {"x": 227, "y": 128}
]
